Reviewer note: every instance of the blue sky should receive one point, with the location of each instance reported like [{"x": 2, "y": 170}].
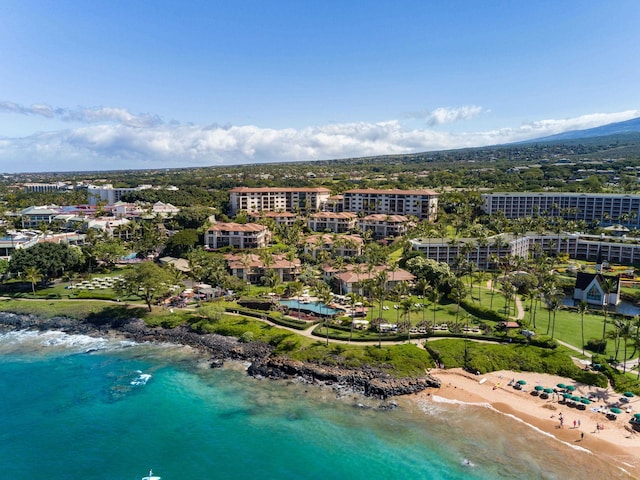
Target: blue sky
[{"x": 151, "y": 84}]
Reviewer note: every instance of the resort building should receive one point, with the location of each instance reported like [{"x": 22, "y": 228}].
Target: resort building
[
  {"x": 252, "y": 268},
  {"x": 420, "y": 203},
  {"x": 335, "y": 203},
  {"x": 270, "y": 199},
  {"x": 342, "y": 222},
  {"x": 280, "y": 218},
  {"x": 383, "y": 226},
  {"x": 237, "y": 235},
  {"x": 612, "y": 249},
  {"x": 602, "y": 207},
  {"x": 347, "y": 246},
  {"x": 351, "y": 279},
  {"x": 33, "y": 217},
  {"x": 482, "y": 253}
]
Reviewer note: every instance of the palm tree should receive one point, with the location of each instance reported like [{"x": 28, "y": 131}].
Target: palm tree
[
  {"x": 423, "y": 286},
  {"x": 607, "y": 286},
  {"x": 625, "y": 328},
  {"x": 434, "y": 297},
  {"x": 407, "y": 307},
  {"x": 324, "y": 294},
  {"x": 583, "y": 307},
  {"x": 33, "y": 275},
  {"x": 458, "y": 293},
  {"x": 556, "y": 303}
]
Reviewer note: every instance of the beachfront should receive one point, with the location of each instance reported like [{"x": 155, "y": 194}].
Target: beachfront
[{"x": 615, "y": 441}]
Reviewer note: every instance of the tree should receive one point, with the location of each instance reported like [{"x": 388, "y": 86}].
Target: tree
[
  {"x": 192, "y": 217},
  {"x": 182, "y": 243},
  {"x": 33, "y": 275},
  {"x": 607, "y": 287},
  {"x": 324, "y": 294},
  {"x": 458, "y": 293},
  {"x": 51, "y": 259},
  {"x": 109, "y": 251},
  {"x": 148, "y": 281}
]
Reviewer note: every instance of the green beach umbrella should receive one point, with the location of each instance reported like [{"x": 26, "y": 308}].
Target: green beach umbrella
[
  {"x": 637, "y": 416},
  {"x": 571, "y": 388},
  {"x": 561, "y": 385},
  {"x": 615, "y": 410},
  {"x": 548, "y": 390},
  {"x": 628, "y": 394},
  {"x": 539, "y": 387},
  {"x": 521, "y": 382},
  {"x": 586, "y": 401}
]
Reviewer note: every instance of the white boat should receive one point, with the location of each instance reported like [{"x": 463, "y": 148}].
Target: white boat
[{"x": 151, "y": 476}]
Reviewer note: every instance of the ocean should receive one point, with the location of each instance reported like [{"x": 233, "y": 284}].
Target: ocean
[{"x": 82, "y": 408}]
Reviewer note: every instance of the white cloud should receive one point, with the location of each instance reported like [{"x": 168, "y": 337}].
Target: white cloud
[
  {"x": 84, "y": 115},
  {"x": 442, "y": 115},
  {"x": 141, "y": 142}
]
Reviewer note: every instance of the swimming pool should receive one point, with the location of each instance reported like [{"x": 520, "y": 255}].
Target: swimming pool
[{"x": 314, "y": 307}]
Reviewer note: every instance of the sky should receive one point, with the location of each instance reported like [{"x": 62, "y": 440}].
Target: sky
[{"x": 136, "y": 84}]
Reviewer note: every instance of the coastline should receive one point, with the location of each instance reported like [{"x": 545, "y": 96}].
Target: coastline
[{"x": 614, "y": 444}]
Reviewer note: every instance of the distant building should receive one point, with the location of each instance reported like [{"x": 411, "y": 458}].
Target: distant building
[
  {"x": 109, "y": 195},
  {"x": 590, "y": 288},
  {"x": 46, "y": 187},
  {"x": 237, "y": 235}
]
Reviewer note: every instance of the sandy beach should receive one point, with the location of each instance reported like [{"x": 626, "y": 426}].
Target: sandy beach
[{"x": 614, "y": 442}]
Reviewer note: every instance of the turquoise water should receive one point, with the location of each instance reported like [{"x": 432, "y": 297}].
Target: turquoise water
[
  {"x": 73, "y": 407},
  {"x": 315, "y": 307}
]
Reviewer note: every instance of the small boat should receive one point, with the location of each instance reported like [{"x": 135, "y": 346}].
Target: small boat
[{"x": 151, "y": 476}]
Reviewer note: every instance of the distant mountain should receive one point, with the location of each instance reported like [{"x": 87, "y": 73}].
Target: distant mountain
[{"x": 618, "y": 128}]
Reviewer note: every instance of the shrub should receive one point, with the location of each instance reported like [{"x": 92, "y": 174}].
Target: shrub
[
  {"x": 596, "y": 345},
  {"x": 482, "y": 312},
  {"x": 247, "y": 337},
  {"x": 543, "y": 341}
]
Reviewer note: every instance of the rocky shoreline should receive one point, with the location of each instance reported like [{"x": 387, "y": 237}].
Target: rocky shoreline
[{"x": 263, "y": 363}]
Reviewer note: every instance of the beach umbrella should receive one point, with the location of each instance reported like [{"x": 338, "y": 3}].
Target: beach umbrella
[
  {"x": 586, "y": 401},
  {"x": 637, "y": 416},
  {"x": 548, "y": 390},
  {"x": 561, "y": 385},
  {"x": 521, "y": 382},
  {"x": 628, "y": 394},
  {"x": 539, "y": 387},
  {"x": 571, "y": 388},
  {"x": 575, "y": 398},
  {"x": 615, "y": 410}
]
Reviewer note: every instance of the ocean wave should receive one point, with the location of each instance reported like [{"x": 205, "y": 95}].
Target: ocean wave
[{"x": 55, "y": 340}]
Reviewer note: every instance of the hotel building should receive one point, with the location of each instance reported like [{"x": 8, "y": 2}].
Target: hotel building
[
  {"x": 420, "y": 203},
  {"x": 604, "y": 207},
  {"x": 268, "y": 199}
]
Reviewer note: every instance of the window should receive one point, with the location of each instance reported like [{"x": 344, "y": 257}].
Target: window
[{"x": 594, "y": 294}]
